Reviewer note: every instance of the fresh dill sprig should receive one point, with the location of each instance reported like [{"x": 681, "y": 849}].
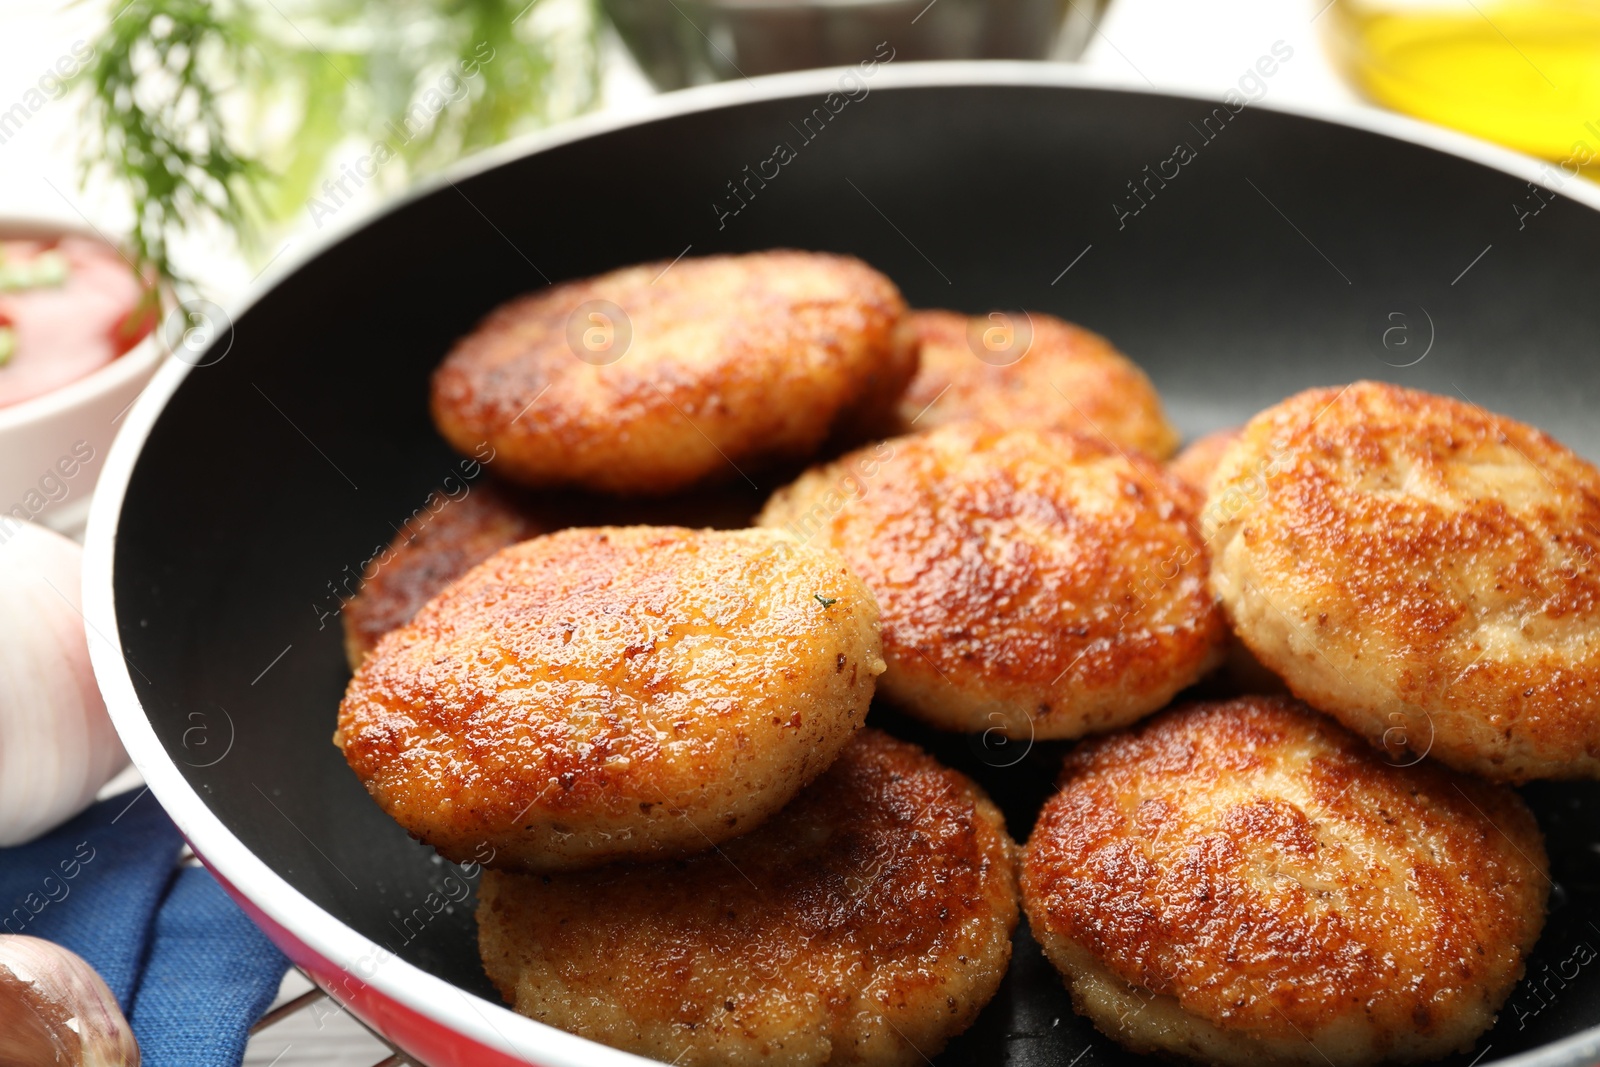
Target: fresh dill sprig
[
  {"x": 307, "y": 76},
  {"x": 154, "y": 114},
  {"x": 519, "y": 73}
]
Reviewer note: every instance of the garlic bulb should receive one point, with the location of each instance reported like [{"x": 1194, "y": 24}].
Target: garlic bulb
[
  {"x": 55, "y": 1010},
  {"x": 57, "y": 746}
]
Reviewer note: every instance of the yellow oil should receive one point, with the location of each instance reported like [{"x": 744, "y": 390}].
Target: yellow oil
[{"x": 1524, "y": 73}]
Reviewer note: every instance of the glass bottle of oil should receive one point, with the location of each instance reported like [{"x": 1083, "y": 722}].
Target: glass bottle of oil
[{"x": 1525, "y": 73}]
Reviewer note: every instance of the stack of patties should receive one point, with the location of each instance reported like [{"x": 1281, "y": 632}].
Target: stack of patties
[
  {"x": 1246, "y": 882},
  {"x": 655, "y": 731}
]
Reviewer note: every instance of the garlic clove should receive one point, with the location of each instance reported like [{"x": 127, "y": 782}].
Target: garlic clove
[
  {"x": 55, "y": 1011},
  {"x": 57, "y": 745}
]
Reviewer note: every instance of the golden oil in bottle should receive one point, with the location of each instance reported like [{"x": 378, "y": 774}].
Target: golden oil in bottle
[{"x": 1524, "y": 73}]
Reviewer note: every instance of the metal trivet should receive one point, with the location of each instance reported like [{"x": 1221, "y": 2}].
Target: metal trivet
[{"x": 315, "y": 995}]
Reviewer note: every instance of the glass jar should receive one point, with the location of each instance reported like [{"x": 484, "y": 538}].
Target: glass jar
[{"x": 1524, "y": 73}]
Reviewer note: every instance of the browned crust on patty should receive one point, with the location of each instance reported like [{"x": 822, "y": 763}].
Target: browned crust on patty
[
  {"x": 1037, "y": 582},
  {"x": 447, "y": 535},
  {"x": 436, "y": 545},
  {"x": 1240, "y": 672},
  {"x": 614, "y": 692},
  {"x": 1424, "y": 570},
  {"x": 1269, "y": 871},
  {"x": 867, "y": 922},
  {"x": 1198, "y": 461},
  {"x": 733, "y": 361},
  {"x": 1069, "y": 379}
]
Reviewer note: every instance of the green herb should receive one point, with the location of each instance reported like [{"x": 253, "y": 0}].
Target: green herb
[
  {"x": 826, "y": 601},
  {"x": 8, "y": 344},
  {"x": 419, "y": 80},
  {"x": 155, "y": 116}
]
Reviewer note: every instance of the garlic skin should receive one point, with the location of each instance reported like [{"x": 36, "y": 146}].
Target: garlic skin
[
  {"x": 55, "y": 1010},
  {"x": 57, "y": 745}
]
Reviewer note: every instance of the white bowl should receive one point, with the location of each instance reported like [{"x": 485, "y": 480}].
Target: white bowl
[{"x": 66, "y": 429}]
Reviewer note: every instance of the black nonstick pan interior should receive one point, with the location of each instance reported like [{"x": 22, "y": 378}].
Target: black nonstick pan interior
[{"x": 1283, "y": 255}]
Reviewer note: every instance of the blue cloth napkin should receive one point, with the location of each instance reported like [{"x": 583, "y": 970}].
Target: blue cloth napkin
[{"x": 191, "y": 972}]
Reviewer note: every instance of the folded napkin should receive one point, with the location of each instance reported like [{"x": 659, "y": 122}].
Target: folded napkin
[{"x": 191, "y": 972}]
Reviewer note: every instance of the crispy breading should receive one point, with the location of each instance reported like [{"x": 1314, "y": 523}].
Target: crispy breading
[
  {"x": 450, "y": 535},
  {"x": 1198, "y": 461},
  {"x": 866, "y": 923},
  {"x": 1240, "y": 672},
  {"x": 1067, "y": 379},
  {"x": 595, "y": 694},
  {"x": 426, "y": 556},
  {"x": 1424, "y": 571},
  {"x": 726, "y": 362},
  {"x": 1039, "y": 583},
  {"x": 1247, "y": 883}
]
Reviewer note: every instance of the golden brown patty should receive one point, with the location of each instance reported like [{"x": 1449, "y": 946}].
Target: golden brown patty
[
  {"x": 1246, "y": 883},
  {"x": 441, "y": 541},
  {"x": 1198, "y": 461},
  {"x": 1424, "y": 571},
  {"x": 655, "y": 377},
  {"x": 451, "y": 532},
  {"x": 1066, "y": 378},
  {"x": 1036, "y": 582},
  {"x": 615, "y": 692},
  {"x": 1240, "y": 672},
  {"x": 866, "y": 923}
]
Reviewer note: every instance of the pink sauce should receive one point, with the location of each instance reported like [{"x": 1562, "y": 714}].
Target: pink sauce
[{"x": 62, "y": 328}]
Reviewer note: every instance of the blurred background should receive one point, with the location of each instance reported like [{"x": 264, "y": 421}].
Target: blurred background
[
  {"x": 217, "y": 135},
  {"x": 214, "y": 140}
]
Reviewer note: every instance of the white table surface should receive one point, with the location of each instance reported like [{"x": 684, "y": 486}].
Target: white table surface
[{"x": 1199, "y": 45}]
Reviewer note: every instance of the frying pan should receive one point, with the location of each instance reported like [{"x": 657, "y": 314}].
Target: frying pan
[{"x": 1290, "y": 251}]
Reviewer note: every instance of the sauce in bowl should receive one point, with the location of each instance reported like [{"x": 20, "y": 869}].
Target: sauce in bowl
[{"x": 68, "y": 307}]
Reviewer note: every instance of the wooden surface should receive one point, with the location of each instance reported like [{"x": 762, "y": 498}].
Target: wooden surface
[{"x": 320, "y": 1034}]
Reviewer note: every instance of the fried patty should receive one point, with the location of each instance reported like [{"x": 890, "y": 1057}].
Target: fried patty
[
  {"x": 1040, "y": 583},
  {"x": 1246, "y": 883},
  {"x": 653, "y": 378},
  {"x": 1034, "y": 370},
  {"x": 442, "y": 540},
  {"x": 1240, "y": 672},
  {"x": 1198, "y": 461},
  {"x": 595, "y": 694},
  {"x": 453, "y": 531},
  {"x": 866, "y": 923},
  {"x": 1423, "y": 570}
]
